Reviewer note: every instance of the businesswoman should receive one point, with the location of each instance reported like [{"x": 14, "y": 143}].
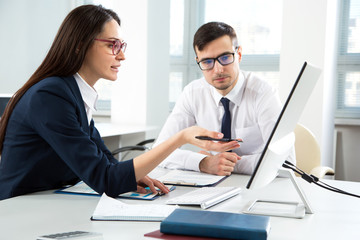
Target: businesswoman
[{"x": 47, "y": 135}]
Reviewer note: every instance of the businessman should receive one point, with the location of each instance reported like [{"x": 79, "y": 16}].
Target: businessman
[{"x": 226, "y": 99}]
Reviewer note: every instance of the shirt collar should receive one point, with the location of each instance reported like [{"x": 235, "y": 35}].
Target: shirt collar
[
  {"x": 235, "y": 94},
  {"x": 88, "y": 94}
]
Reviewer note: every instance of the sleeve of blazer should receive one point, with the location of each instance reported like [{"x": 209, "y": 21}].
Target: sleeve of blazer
[
  {"x": 95, "y": 136},
  {"x": 57, "y": 118}
]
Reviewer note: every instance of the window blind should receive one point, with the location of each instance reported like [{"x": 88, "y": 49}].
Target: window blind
[{"x": 348, "y": 72}]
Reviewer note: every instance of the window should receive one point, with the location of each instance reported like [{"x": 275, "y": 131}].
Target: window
[
  {"x": 102, "y": 86},
  {"x": 348, "y": 85},
  {"x": 257, "y": 28},
  {"x": 183, "y": 68},
  {"x": 103, "y": 104}
]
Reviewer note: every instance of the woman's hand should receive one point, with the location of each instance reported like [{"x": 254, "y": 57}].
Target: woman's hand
[
  {"x": 151, "y": 183},
  {"x": 191, "y": 132}
]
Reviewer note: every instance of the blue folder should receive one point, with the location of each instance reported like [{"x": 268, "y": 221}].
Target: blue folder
[{"x": 216, "y": 224}]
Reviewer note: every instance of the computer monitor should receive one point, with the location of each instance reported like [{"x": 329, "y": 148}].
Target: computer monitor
[
  {"x": 4, "y": 99},
  {"x": 282, "y": 138}
]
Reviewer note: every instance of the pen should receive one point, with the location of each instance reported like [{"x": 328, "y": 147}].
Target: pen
[
  {"x": 179, "y": 183},
  {"x": 217, "y": 139}
]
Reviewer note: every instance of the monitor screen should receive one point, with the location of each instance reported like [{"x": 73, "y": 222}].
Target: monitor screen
[{"x": 281, "y": 140}]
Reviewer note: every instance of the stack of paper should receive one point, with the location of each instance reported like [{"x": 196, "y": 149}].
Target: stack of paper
[{"x": 190, "y": 178}]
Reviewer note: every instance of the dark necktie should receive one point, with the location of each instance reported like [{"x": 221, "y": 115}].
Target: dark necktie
[{"x": 226, "y": 121}]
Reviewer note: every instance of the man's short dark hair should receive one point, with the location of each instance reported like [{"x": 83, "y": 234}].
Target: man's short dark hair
[{"x": 211, "y": 31}]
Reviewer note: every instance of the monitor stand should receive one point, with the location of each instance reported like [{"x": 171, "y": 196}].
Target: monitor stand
[{"x": 281, "y": 208}]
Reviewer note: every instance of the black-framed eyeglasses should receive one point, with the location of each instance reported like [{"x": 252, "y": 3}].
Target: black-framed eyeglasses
[
  {"x": 117, "y": 46},
  {"x": 208, "y": 63}
]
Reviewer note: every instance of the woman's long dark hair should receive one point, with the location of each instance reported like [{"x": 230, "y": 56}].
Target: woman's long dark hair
[{"x": 67, "y": 53}]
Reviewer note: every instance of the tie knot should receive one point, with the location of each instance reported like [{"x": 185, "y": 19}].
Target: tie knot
[{"x": 225, "y": 102}]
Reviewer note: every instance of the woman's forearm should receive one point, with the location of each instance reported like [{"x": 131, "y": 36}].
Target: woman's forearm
[{"x": 146, "y": 162}]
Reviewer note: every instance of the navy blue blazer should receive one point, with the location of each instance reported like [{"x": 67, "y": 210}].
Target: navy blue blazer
[{"x": 49, "y": 144}]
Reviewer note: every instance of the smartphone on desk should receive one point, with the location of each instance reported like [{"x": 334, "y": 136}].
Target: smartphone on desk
[{"x": 218, "y": 139}]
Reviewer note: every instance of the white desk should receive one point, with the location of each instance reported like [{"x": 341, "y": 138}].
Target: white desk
[{"x": 336, "y": 216}]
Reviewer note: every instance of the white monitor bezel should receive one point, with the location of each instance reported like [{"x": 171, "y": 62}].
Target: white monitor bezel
[{"x": 284, "y": 127}]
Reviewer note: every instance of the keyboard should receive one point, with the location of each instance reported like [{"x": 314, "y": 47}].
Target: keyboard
[
  {"x": 78, "y": 235},
  {"x": 205, "y": 197}
]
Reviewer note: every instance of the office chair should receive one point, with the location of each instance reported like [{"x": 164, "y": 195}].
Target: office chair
[
  {"x": 141, "y": 146},
  {"x": 308, "y": 157}
]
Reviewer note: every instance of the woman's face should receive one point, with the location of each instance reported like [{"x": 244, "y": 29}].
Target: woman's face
[{"x": 100, "y": 62}]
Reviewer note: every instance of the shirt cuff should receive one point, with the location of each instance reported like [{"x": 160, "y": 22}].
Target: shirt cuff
[
  {"x": 246, "y": 164},
  {"x": 193, "y": 160}
]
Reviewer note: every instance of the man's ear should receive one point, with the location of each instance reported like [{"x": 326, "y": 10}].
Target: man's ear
[{"x": 239, "y": 52}]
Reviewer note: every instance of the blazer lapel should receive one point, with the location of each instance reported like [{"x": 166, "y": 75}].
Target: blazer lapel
[{"x": 80, "y": 102}]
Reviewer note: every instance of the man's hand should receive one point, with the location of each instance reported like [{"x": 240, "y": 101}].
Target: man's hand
[{"x": 219, "y": 164}]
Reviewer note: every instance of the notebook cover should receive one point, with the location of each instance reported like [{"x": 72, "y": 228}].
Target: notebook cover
[{"x": 216, "y": 224}]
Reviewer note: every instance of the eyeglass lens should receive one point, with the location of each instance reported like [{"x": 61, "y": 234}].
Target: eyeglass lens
[
  {"x": 225, "y": 59},
  {"x": 119, "y": 46}
]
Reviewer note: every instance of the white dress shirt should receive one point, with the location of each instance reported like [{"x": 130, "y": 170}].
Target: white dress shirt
[
  {"x": 254, "y": 107},
  {"x": 88, "y": 94}
]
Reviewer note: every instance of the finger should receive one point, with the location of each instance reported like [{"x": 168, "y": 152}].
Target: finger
[
  {"x": 214, "y": 134},
  {"x": 229, "y": 163},
  {"x": 228, "y": 170},
  {"x": 224, "y": 173},
  {"x": 221, "y": 147},
  {"x": 234, "y": 157},
  {"x": 161, "y": 186},
  {"x": 230, "y": 156},
  {"x": 232, "y": 145},
  {"x": 149, "y": 182},
  {"x": 141, "y": 189},
  {"x": 146, "y": 181}
]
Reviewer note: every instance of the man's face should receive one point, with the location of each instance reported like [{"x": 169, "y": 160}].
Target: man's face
[{"x": 223, "y": 78}]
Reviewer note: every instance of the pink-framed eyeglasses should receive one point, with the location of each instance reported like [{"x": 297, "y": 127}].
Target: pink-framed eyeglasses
[{"x": 117, "y": 46}]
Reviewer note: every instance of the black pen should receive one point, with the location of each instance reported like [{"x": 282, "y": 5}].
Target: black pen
[{"x": 217, "y": 139}]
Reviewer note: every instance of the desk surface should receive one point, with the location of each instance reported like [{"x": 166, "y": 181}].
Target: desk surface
[{"x": 336, "y": 216}]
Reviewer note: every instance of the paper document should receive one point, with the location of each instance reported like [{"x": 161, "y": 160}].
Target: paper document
[
  {"x": 190, "y": 178},
  {"x": 112, "y": 209}
]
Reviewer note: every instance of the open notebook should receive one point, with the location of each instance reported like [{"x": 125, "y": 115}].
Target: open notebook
[{"x": 113, "y": 209}]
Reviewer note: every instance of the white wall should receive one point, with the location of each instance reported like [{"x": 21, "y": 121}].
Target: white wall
[
  {"x": 129, "y": 91},
  {"x": 347, "y": 152},
  {"x": 306, "y": 37},
  {"x": 140, "y": 95},
  {"x": 27, "y": 31},
  {"x": 158, "y": 64}
]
